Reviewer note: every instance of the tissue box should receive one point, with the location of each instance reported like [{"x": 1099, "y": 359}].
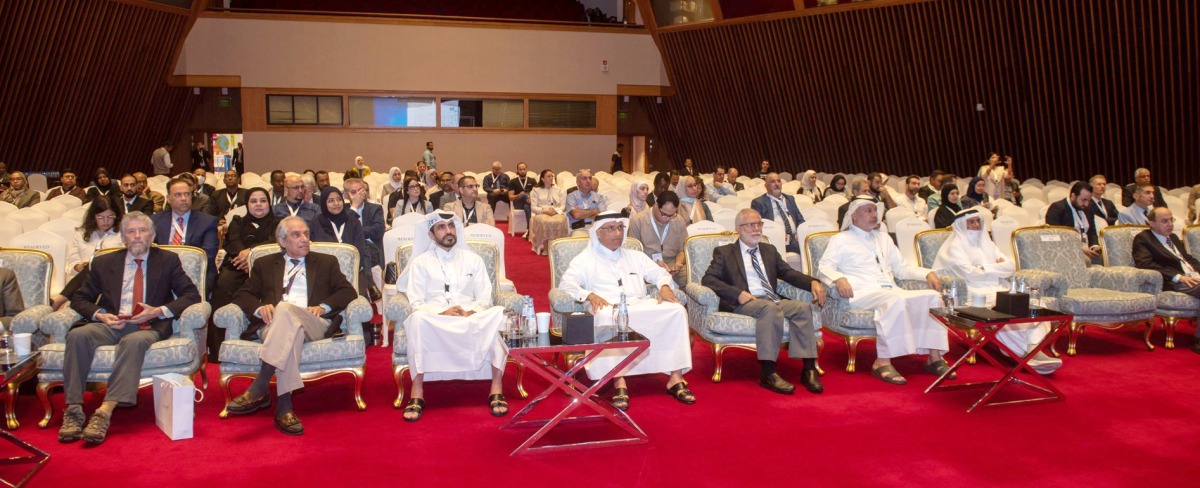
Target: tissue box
[
  {"x": 1015, "y": 304},
  {"x": 579, "y": 328}
]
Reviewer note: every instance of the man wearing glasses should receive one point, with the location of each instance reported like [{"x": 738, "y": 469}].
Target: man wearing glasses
[
  {"x": 295, "y": 205},
  {"x": 467, "y": 209},
  {"x": 744, "y": 275},
  {"x": 662, "y": 231},
  {"x": 1159, "y": 249}
]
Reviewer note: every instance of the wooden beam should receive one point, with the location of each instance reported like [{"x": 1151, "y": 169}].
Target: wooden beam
[
  {"x": 645, "y": 90},
  {"x": 207, "y": 81}
]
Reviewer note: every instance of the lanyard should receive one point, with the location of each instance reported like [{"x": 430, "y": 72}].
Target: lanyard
[
  {"x": 468, "y": 215},
  {"x": 232, "y": 197},
  {"x": 662, "y": 236},
  {"x": 524, "y": 183},
  {"x": 287, "y": 280},
  {"x": 293, "y": 211}
]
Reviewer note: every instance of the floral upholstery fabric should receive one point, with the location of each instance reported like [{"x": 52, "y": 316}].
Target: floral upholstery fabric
[
  {"x": 561, "y": 252},
  {"x": 314, "y": 353},
  {"x": 1191, "y": 240},
  {"x": 1124, "y": 278},
  {"x": 1048, "y": 283},
  {"x": 1087, "y": 304},
  {"x": 33, "y": 271},
  {"x": 1116, "y": 243},
  {"x": 1055, "y": 249},
  {"x": 166, "y": 353},
  {"x": 1171, "y": 303},
  {"x": 699, "y": 251},
  {"x": 929, "y": 243}
]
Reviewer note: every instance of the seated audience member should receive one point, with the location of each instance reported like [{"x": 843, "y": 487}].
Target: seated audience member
[
  {"x": 837, "y": 186},
  {"x": 294, "y": 204},
  {"x": 129, "y": 298},
  {"x": 1102, "y": 207},
  {"x": 585, "y": 204},
  {"x": 160, "y": 201},
  {"x": 291, "y": 298},
  {"x": 688, "y": 168},
  {"x": 811, "y": 187},
  {"x": 1072, "y": 212},
  {"x": 948, "y": 208},
  {"x": 857, "y": 187},
  {"x": 744, "y": 274},
  {"x": 454, "y": 330},
  {"x": 131, "y": 200},
  {"x": 67, "y": 186},
  {"x": 11, "y": 302},
  {"x": 309, "y": 179},
  {"x": 371, "y": 216},
  {"x": 200, "y": 201},
  {"x": 662, "y": 231},
  {"x": 230, "y": 197},
  {"x": 1159, "y": 249},
  {"x": 933, "y": 186},
  {"x": 245, "y": 232},
  {"x": 1142, "y": 177},
  {"x": 935, "y": 200},
  {"x": 977, "y": 195},
  {"x": 338, "y": 225},
  {"x": 911, "y": 199},
  {"x": 19, "y": 193},
  {"x": 780, "y": 208},
  {"x": 1139, "y": 212},
  {"x": 693, "y": 204},
  {"x": 719, "y": 187},
  {"x": 969, "y": 254},
  {"x": 674, "y": 180},
  {"x": 104, "y": 185},
  {"x": 322, "y": 178},
  {"x": 662, "y": 182},
  {"x": 639, "y": 192},
  {"x": 98, "y": 231},
  {"x": 495, "y": 184},
  {"x": 446, "y": 191},
  {"x": 4, "y": 183},
  {"x": 863, "y": 263},
  {"x": 732, "y": 175},
  {"x": 395, "y": 183},
  {"x": 764, "y": 169},
  {"x": 360, "y": 169},
  {"x": 426, "y": 175},
  {"x": 599, "y": 276},
  {"x": 411, "y": 201},
  {"x": 201, "y": 182},
  {"x": 549, "y": 220},
  {"x": 467, "y": 207},
  {"x": 180, "y": 226},
  {"x": 880, "y": 192},
  {"x": 518, "y": 192}
]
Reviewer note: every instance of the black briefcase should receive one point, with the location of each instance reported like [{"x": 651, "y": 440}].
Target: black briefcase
[{"x": 579, "y": 328}]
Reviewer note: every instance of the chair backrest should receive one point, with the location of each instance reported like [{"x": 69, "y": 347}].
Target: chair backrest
[
  {"x": 1051, "y": 248},
  {"x": 1116, "y": 243},
  {"x": 76, "y": 214},
  {"x": 69, "y": 201},
  {"x": 37, "y": 182},
  {"x": 49, "y": 243},
  {"x": 729, "y": 201},
  {"x": 1056, "y": 193},
  {"x": 7, "y": 208},
  {"x": 816, "y": 212},
  {"x": 808, "y": 228},
  {"x": 53, "y": 210},
  {"x": 906, "y": 237},
  {"x": 704, "y": 227},
  {"x": 396, "y": 237},
  {"x": 236, "y": 211},
  {"x": 34, "y": 270},
  {"x": 724, "y": 217},
  {"x": 486, "y": 251},
  {"x": 562, "y": 251},
  {"x": 699, "y": 249},
  {"x": 410, "y": 218},
  {"x": 346, "y": 254},
  {"x": 487, "y": 233},
  {"x": 836, "y": 200},
  {"x": 65, "y": 228},
  {"x": 814, "y": 246},
  {"x": 899, "y": 214},
  {"x": 193, "y": 259},
  {"x": 28, "y": 218},
  {"x": 1191, "y": 240},
  {"x": 1002, "y": 229},
  {"x": 775, "y": 233},
  {"x": 6, "y": 223},
  {"x": 928, "y": 243}
]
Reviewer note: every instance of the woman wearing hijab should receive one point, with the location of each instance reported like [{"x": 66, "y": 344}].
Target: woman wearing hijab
[
  {"x": 811, "y": 187},
  {"x": 394, "y": 183},
  {"x": 245, "y": 232},
  {"x": 949, "y": 206},
  {"x": 638, "y": 193},
  {"x": 691, "y": 200},
  {"x": 549, "y": 218},
  {"x": 336, "y": 224},
  {"x": 970, "y": 255},
  {"x": 976, "y": 195},
  {"x": 411, "y": 200},
  {"x": 837, "y": 186}
]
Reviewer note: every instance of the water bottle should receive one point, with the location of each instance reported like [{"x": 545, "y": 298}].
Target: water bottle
[
  {"x": 623, "y": 316},
  {"x": 528, "y": 320},
  {"x": 7, "y": 348}
]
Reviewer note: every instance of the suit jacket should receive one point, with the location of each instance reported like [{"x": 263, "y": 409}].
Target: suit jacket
[
  {"x": 11, "y": 302},
  {"x": 27, "y": 199},
  {"x": 166, "y": 285},
  {"x": 203, "y": 203},
  {"x": 1109, "y": 213},
  {"x": 726, "y": 273},
  {"x": 1150, "y": 253},
  {"x": 766, "y": 207},
  {"x": 1132, "y": 215},
  {"x": 1060, "y": 213},
  {"x": 684, "y": 171},
  {"x": 493, "y": 182},
  {"x": 76, "y": 192},
  {"x": 1127, "y": 195},
  {"x": 159, "y": 200},
  {"x": 441, "y": 198},
  {"x": 372, "y": 224},
  {"x": 483, "y": 212},
  {"x": 140, "y": 204},
  {"x": 221, "y": 205},
  {"x": 206, "y": 189},
  {"x": 201, "y": 232},
  {"x": 325, "y": 281},
  {"x": 308, "y": 210}
]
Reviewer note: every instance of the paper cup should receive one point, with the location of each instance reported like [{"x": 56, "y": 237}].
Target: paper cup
[
  {"x": 23, "y": 342},
  {"x": 543, "y": 322},
  {"x": 978, "y": 300}
]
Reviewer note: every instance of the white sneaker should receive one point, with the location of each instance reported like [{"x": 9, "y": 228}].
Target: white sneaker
[{"x": 1044, "y": 363}]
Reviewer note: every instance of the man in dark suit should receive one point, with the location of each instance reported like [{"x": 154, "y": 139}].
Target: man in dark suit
[
  {"x": 11, "y": 302},
  {"x": 1141, "y": 177},
  {"x": 1102, "y": 207},
  {"x": 202, "y": 185},
  {"x": 294, "y": 204},
  {"x": 371, "y": 216},
  {"x": 744, "y": 275},
  {"x": 230, "y": 197},
  {"x": 290, "y": 298},
  {"x": 131, "y": 199},
  {"x": 732, "y": 177},
  {"x": 178, "y": 225},
  {"x": 446, "y": 193},
  {"x": 129, "y": 298},
  {"x": 688, "y": 169},
  {"x": 1072, "y": 212},
  {"x": 1159, "y": 249},
  {"x": 239, "y": 159},
  {"x": 201, "y": 157},
  {"x": 781, "y": 208}
]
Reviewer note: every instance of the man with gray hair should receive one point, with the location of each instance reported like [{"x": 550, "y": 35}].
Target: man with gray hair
[
  {"x": 291, "y": 298},
  {"x": 495, "y": 184},
  {"x": 130, "y": 299},
  {"x": 295, "y": 204},
  {"x": 310, "y": 187},
  {"x": 584, "y": 204},
  {"x": 19, "y": 193},
  {"x": 1141, "y": 177}
]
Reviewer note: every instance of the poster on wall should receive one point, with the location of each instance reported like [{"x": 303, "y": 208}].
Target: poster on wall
[{"x": 222, "y": 150}]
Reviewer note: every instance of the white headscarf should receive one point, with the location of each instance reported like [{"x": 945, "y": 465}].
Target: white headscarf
[
  {"x": 423, "y": 242},
  {"x": 392, "y": 183},
  {"x": 967, "y": 246},
  {"x": 694, "y": 206},
  {"x": 595, "y": 247},
  {"x": 637, "y": 204},
  {"x": 804, "y": 181},
  {"x": 858, "y": 202}
]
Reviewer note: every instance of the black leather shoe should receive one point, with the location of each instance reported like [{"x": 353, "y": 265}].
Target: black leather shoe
[
  {"x": 811, "y": 380},
  {"x": 244, "y": 405},
  {"x": 776, "y": 384},
  {"x": 289, "y": 424}
]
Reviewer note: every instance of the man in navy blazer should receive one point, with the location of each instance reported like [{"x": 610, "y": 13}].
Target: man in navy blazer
[
  {"x": 371, "y": 216},
  {"x": 294, "y": 203},
  {"x": 1072, "y": 212},
  {"x": 179, "y": 225},
  {"x": 1159, "y": 249},
  {"x": 766, "y": 206}
]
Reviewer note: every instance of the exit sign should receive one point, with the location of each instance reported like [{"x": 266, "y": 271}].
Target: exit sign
[
  {"x": 225, "y": 102},
  {"x": 622, "y": 115}
]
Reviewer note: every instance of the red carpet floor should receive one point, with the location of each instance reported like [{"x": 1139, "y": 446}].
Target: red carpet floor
[{"x": 1130, "y": 419}]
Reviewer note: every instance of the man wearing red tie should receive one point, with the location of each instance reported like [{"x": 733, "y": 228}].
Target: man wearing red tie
[
  {"x": 129, "y": 299},
  {"x": 178, "y": 225}
]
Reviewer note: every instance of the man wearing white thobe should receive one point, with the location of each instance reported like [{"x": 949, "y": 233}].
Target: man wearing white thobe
[
  {"x": 599, "y": 275},
  {"x": 454, "y": 330},
  {"x": 863, "y": 264},
  {"x": 970, "y": 255}
]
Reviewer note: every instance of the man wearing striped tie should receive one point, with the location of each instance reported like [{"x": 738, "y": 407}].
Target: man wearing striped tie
[
  {"x": 744, "y": 275},
  {"x": 178, "y": 225}
]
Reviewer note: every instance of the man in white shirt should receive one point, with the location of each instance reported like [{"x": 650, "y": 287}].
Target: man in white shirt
[
  {"x": 912, "y": 202},
  {"x": 863, "y": 264},
  {"x": 719, "y": 188}
]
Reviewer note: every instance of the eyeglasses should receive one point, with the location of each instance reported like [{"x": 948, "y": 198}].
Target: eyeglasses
[
  {"x": 753, "y": 225},
  {"x": 106, "y": 217},
  {"x": 414, "y": 187}
]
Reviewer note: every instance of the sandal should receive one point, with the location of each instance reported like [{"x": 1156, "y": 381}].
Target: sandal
[
  {"x": 495, "y": 403},
  {"x": 620, "y": 399},
  {"x": 415, "y": 405},
  {"x": 939, "y": 368},
  {"x": 681, "y": 392},
  {"x": 889, "y": 375}
]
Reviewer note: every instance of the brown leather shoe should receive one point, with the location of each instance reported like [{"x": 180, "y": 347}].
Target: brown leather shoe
[
  {"x": 244, "y": 405},
  {"x": 72, "y": 427},
  {"x": 289, "y": 424},
  {"x": 97, "y": 428},
  {"x": 811, "y": 380},
  {"x": 776, "y": 383}
]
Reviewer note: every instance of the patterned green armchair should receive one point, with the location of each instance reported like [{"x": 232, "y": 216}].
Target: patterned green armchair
[
  {"x": 928, "y": 243},
  {"x": 318, "y": 359},
  {"x": 33, "y": 269},
  {"x": 1191, "y": 239},
  {"x": 398, "y": 309},
  {"x": 723, "y": 330},
  {"x": 1110, "y": 297},
  {"x": 181, "y": 353},
  {"x": 1116, "y": 245},
  {"x": 855, "y": 325}
]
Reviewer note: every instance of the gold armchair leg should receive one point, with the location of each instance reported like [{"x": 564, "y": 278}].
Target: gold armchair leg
[
  {"x": 43, "y": 392},
  {"x": 718, "y": 361},
  {"x": 359, "y": 378},
  {"x": 10, "y": 402},
  {"x": 973, "y": 335},
  {"x": 226, "y": 394},
  {"x": 1169, "y": 324},
  {"x": 398, "y": 377},
  {"x": 1073, "y": 334},
  {"x": 852, "y": 350},
  {"x": 204, "y": 371},
  {"x": 1146, "y": 335},
  {"x": 820, "y": 347}
]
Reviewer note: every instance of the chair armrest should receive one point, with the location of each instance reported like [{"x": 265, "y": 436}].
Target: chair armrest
[
  {"x": 56, "y": 324},
  {"x": 1125, "y": 278},
  {"x": 561, "y": 302},
  {"x": 398, "y": 309},
  {"x": 1048, "y": 283},
  {"x": 193, "y": 318},
  {"x": 357, "y": 312},
  {"x": 679, "y": 294},
  {"x": 231, "y": 318},
  {"x": 510, "y": 300},
  {"x": 786, "y": 290},
  {"x": 27, "y": 321},
  {"x": 703, "y": 296}
]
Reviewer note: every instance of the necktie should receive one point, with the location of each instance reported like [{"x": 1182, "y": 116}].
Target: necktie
[
  {"x": 176, "y": 236},
  {"x": 762, "y": 277},
  {"x": 292, "y": 279},
  {"x": 787, "y": 222},
  {"x": 139, "y": 288}
]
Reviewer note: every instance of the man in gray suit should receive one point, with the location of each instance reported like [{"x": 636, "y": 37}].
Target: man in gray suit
[
  {"x": 11, "y": 302},
  {"x": 1138, "y": 213}
]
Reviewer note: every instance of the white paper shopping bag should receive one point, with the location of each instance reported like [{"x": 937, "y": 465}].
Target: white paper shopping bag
[{"x": 174, "y": 409}]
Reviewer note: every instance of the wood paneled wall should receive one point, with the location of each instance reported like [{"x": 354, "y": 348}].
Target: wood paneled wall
[
  {"x": 83, "y": 84},
  {"x": 1069, "y": 87}
]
